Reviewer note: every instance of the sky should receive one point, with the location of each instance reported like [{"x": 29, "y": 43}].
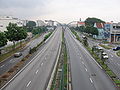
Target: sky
[{"x": 63, "y": 11}]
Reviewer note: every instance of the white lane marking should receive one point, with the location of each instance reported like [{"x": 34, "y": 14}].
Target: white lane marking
[
  {"x": 86, "y": 69},
  {"x": 36, "y": 71},
  {"x": 83, "y": 63},
  {"x": 91, "y": 80},
  {"x": 45, "y": 58},
  {"x": 111, "y": 55},
  {"x": 41, "y": 64},
  {"x": 2, "y": 66},
  {"x": 87, "y": 53},
  {"x": 118, "y": 64},
  {"x": 28, "y": 83}
]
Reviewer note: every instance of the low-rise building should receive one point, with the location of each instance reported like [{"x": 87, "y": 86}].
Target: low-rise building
[
  {"x": 40, "y": 23},
  {"x": 100, "y": 27},
  {"x": 5, "y": 20},
  {"x": 80, "y": 23},
  {"x": 115, "y": 32}
]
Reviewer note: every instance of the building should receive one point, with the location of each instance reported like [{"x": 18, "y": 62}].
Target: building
[
  {"x": 115, "y": 32},
  {"x": 40, "y": 23},
  {"x": 5, "y": 20},
  {"x": 107, "y": 30},
  {"x": 100, "y": 27},
  {"x": 80, "y": 23}
]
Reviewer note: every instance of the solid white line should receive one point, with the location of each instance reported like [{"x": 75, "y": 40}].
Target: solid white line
[
  {"x": 91, "y": 80},
  {"x": 28, "y": 83},
  {"x": 111, "y": 55},
  {"x": 118, "y": 64},
  {"x": 42, "y": 51},
  {"x": 41, "y": 64},
  {"x": 36, "y": 71},
  {"x": 86, "y": 69},
  {"x": 2, "y": 66},
  {"x": 83, "y": 63}
]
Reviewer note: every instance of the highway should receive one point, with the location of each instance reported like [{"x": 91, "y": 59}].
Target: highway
[
  {"x": 113, "y": 61},
  {"x": 11, "y": 61},
  {"x": 86, "y": 74},
  {"x": 35, "y": 75}
]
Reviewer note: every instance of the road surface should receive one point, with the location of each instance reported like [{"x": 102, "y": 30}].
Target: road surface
[
  {"x": 36, "y": 74},
  {"x": 113, "y": 61},
  {"x": 86, "y": 73},
  {"x": 11, "y": 61}
]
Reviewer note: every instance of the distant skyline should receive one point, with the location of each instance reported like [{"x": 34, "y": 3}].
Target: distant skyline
[{"x": 63, "y": 11}]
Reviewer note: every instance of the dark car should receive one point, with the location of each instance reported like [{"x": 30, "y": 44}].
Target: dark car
[{"x": 117, "y": 48}]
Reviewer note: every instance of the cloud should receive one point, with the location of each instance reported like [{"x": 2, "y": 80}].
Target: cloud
[{"x": 63, "y": 10}]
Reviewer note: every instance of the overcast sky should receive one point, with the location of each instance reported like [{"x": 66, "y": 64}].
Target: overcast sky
[{"x": 62, "y": 10}]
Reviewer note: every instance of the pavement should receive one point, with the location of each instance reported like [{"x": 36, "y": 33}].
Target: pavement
[
  {"x": 113, "y": 61},
  {"x": 86, "y": 73},
  {"x": 11, "y": 61},
  {"x": 36, "y": 74}
]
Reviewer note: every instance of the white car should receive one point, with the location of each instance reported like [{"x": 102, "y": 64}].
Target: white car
[{"x": 18, "y": 54}]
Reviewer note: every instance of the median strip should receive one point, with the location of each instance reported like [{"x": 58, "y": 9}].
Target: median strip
[{"x": 60, "y": 80}]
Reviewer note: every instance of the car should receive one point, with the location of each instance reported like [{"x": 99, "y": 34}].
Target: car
[
  {"x": 18, "y": 54},
  {"x": 116, "y": 48},
  {"x": 105, "y": 57}
]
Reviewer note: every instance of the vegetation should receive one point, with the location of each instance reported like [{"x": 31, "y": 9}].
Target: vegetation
[
  {"x": 30, "y": 26},
  {"x": 118, "y": 53},
  {"x": 105, "y": 46},
  {"x": 47, "y": 36},
  {"x": 39, "y": 30},
  {"x": 60, "y": 80},
  {"x": 15, "y": 33},
  {"x": 91, "y": 21},
  {"x": 3, "y": 40}
]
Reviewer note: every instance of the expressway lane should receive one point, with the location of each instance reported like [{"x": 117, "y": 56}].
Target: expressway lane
[
  {"x": 86, "y": 73},
  {"x": 36, "y": 75},
  {"x": 10, "y": 62},
  {"x": 113, "y": 61}
]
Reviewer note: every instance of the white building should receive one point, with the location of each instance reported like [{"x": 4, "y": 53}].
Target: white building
[
  {"x": 5, "y": 20},
  {"x": 40, "y": 23},
  {"x": 115, "y": 32}
]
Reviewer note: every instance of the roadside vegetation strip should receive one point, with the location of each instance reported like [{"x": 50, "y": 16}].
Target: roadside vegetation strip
[
  {"x": 118, "y": 53},
  {"x": 60, "y": 80},
  {"x": 11, "y": 52},
  {"x": 77, "y": 37},
  {"x": 107, "y": 70},
  {"x": 105, "y": 46},
  {"x": 4, "y": 78}
]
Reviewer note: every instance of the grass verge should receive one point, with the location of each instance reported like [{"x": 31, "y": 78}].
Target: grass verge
[
  {"x": 118, "y": 53},
  {"x": 60, "y": 80},
  {"x": 105, "y": 46}
]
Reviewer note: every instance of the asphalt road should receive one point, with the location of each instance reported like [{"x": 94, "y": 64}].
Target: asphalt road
[
  {"x": 36, "y": 74},
  {"x": 11, "y": 61},
  {"x": 113, "y": 61},
  {"x": 86, "y": 73}
]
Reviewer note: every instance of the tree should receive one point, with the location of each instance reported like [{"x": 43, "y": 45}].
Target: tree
[
  {"x": 91, "y": 30},
  {"x": 15, "y": 33},
  {"x": 3, "y": 40},
  {"x": 39, "y": 30},
  {"x": 92, "y": 21},
  {"x": 30, "y": 25}
]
